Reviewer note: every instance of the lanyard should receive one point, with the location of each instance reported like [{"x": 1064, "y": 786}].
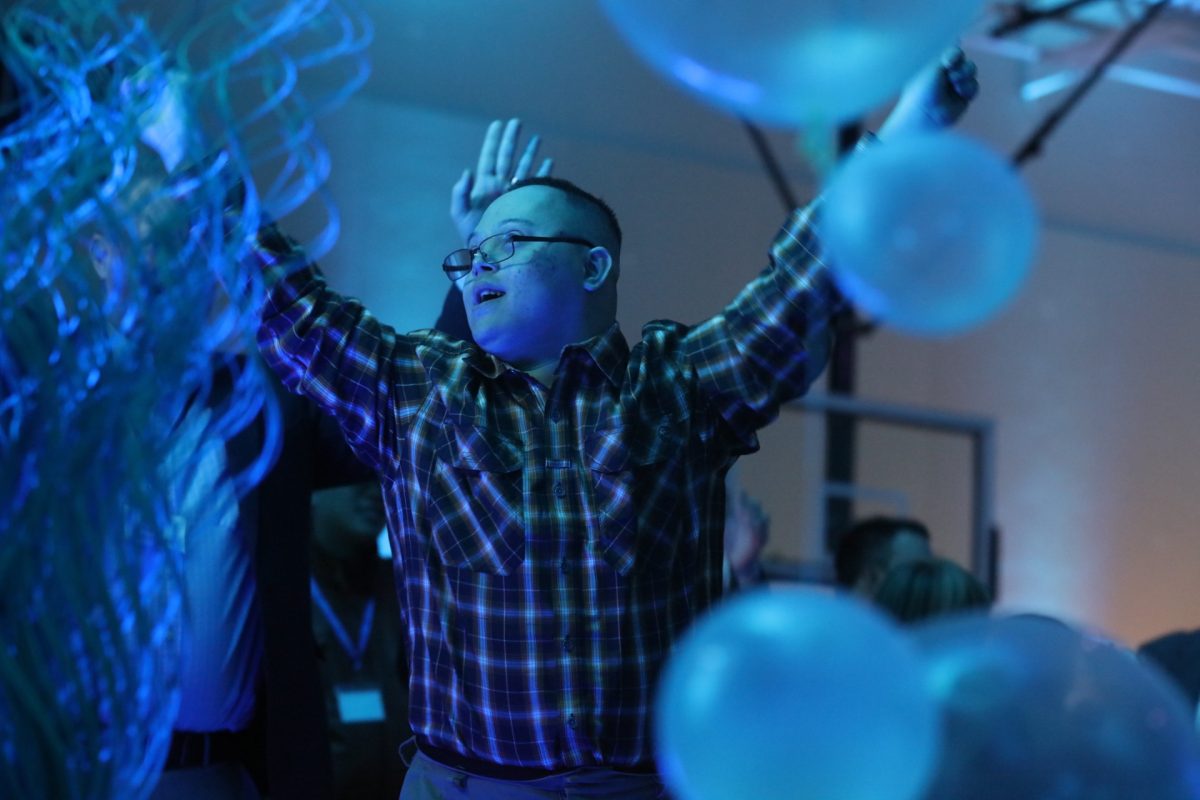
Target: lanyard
[{"x": 356, "y": 653}]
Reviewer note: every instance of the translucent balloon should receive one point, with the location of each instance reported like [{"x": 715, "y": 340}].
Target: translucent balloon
[
  {"x": 1034, "y": 709},
  {"x": 932, "y": 234},
  {"x": 788, "y": 63},
  {"x": 797, "y": 695}
]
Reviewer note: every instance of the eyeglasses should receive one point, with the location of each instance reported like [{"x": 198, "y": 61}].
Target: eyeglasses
[{"x": 496, "y": 250}]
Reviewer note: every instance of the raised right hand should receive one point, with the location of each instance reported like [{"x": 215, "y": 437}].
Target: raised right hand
[{"x": 493, "y": 174}]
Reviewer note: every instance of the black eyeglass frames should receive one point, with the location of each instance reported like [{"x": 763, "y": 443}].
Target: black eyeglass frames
[{"x": 495, "y": 250}]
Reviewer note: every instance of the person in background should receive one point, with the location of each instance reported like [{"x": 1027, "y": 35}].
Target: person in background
[
  {"x": 251, "y": 718},
  {"x": 930, "y": 587},
  {"x": 865, "y": 552},
  {"x": 356, "y": 624},
  {"x": 252, "y": 697},
  {"x": 1178, "y": 655},
  {"x": 747, "y": 528}
]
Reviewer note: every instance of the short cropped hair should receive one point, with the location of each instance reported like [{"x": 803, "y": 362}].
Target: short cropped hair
[
  {"x": 866, "y": 544},
  {"x": 565, "y": 186},
  {"x": 930, "y": 587}
]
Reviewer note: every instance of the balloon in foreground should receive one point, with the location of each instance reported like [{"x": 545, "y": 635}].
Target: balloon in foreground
[
  {"x": 794, "y": 694},
  {"x": 788, "y": 63},
  {"x": 932, "y": 234},
  {"x": 1034, "y": 709}
]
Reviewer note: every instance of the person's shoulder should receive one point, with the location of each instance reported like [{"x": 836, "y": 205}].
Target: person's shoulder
[
  {"x": 441, "y": 354},
  {"x": 435, "y": 339},
  {"x": 1178, "y": 655},
  {"x": 660, "y": 358},
  {"x": 664, "y": 331},
  {"x": 1177, "y": 641}
]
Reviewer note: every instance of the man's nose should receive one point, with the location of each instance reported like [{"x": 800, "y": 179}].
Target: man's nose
[{"x": 481, "y": 263}]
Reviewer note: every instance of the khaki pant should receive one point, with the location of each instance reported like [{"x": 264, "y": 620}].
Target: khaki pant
[{"x": 429, "y": 780}]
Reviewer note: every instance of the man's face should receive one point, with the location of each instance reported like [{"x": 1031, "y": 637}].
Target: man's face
[{"x": 526, "y": 309}]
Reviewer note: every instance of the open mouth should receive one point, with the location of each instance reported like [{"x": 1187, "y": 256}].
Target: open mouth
[{"x": 487, "y": 295}]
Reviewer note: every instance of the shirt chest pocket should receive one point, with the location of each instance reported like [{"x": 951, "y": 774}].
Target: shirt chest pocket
[
  {"x": 637, "y": 490},
  {"x": 476, "y": 500}
]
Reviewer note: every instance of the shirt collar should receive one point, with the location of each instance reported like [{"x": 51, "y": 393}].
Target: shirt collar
[
  {"x": 477, "y": 359},
  {"x": 608, "y": 351}
]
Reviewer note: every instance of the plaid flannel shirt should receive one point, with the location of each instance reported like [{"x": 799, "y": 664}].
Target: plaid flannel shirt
[{"x": 550, "y": 544}]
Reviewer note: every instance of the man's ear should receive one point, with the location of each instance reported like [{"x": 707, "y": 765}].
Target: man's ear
[{"x": 598, "y": 267}]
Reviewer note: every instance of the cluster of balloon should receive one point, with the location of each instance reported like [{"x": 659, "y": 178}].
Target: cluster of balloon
[
  {"x": 797, "y": 695},
  {"x": 932, "y": 234},
  {"x": 1035, "y": 709},
  {"x": 802, "y": 695},
  {"x": 816, "y": 63}
]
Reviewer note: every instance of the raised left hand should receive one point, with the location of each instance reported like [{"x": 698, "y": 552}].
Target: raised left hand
[{"x": 936, "y": 98}]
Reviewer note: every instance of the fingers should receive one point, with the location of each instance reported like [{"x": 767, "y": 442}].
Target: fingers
[
  {"x": 964, "y": 81},
  {"x": 494, "y": 172},
  {"x": 508, "y": 146},
  {"x": 460, "y": 195},
  {"x": 499, "y": 148},
  {"x": 526, "y": 163},
  {"x": 959, "y": 72},
  {"x": 953, "y": 57},
  {"x": 968, "y": 85},
  {"x": 487, "y": 153}
]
